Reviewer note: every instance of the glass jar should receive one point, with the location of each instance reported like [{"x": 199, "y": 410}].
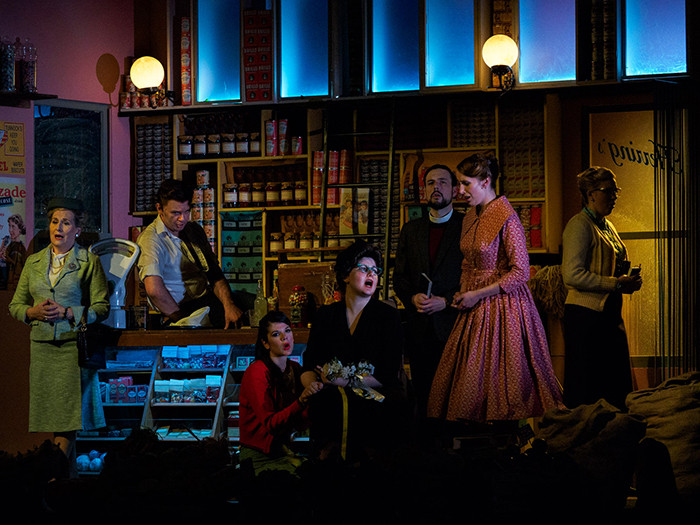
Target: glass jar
[
  {"x": 276, "y": 242},
  {"x": 300, "y": 193},
  {"x": 245, "y": 198},
  {"x": 290, "y": 241},
  {"x": 228, "y": 144},
  {"x": 184, "y": 147},
  {"x": 242, "y": 145},
  {"x": 306, "y": 241},
  {"x": 231, "y": 195},
  {"x": 298, "y": 302},
  {"x": 254, "y": 144},
  {"x": 199, "y": 147},
  {"x": 272, "y": 193},
  {"x": 213, "y": 146},
  {"x": 287, "y": 194},
  {"x": 258, "y": 197}
]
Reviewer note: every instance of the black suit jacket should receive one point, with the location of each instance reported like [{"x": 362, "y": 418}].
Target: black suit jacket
[{"x": 413, "y": 258}]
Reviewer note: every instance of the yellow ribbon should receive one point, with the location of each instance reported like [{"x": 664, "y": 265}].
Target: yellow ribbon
[{"x": 344, "y": 438}]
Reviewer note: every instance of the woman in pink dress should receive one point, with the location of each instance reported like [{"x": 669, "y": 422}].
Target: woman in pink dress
[{"x": 496, "y": 364}]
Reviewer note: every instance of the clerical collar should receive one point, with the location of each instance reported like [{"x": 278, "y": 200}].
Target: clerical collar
[{"x": 440, "y": 220}]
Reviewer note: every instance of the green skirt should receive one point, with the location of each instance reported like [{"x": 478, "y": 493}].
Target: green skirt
[{"x": 62, "y": 396}]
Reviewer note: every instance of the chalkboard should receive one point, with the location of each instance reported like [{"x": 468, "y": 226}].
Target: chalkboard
[{"x": 71, "y": 160}]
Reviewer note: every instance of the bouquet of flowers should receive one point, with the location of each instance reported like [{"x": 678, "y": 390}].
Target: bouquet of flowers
[{"x": 355, "y": 374}]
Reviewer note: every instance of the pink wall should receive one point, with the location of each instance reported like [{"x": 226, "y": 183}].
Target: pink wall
[
  {"x": 70, "y": 37},
  {"x": 69, "y": 42}
]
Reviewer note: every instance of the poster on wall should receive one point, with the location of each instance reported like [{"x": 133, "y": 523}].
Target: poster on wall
[
  {"x": 13, "y": 198},
  {"x": 12, "y": 148},
  {"x": 624, "y": 142}
]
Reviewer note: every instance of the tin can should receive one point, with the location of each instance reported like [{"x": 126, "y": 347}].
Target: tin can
[
  {"x": 209, "y": 228},
  {"x": 208, "y": 212},
  {"x": 297, "y": 145},
  {"x": 124, "y": 100},
  {"x": 196, "y": 212},
  {"x": 208, "y": 195},
  {"x": 198, "y": 196},
  {"x": 202, "y": 178}
]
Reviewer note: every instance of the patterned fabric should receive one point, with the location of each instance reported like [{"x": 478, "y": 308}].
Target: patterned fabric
[{"x": 496, "y": 363}]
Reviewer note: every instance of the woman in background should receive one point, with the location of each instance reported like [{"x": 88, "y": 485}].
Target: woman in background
[
  {"x": 273, "y": 403},
  {"x": 496, "y": 364},
  {"x": 595, "y": 268},
  {"x": 12, "y": 252},
  {"x": 56, "y": 286}
]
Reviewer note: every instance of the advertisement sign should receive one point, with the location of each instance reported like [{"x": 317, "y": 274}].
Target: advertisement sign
[
  {"x": 12, "y": 148},
  {"x": 13, "y": 198}
]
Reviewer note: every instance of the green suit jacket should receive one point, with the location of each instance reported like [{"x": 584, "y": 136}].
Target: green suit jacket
[{"x": 82, "y": 283}]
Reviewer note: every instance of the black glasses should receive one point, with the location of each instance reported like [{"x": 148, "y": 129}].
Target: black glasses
[
  {"x": 366, "y": 269},
  {"x": 610, "y": 192}
]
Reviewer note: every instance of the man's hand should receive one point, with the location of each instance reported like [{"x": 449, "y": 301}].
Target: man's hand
[
  {"x": 428, "y": 305},
  {"x": 232, "y": 314}
]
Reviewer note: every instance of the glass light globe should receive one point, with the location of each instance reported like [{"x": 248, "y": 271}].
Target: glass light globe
[
  {"x": 147, "y": 72},
  {"x": 500, "y": 50}
]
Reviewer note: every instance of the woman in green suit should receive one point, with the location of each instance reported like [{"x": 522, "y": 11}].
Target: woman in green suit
[{"x": 56, "y": 285}]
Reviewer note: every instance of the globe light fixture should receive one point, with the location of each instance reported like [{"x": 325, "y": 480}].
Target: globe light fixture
[
  {"x": 500, "y": 52},
  {"x": 147, "y": 74}
]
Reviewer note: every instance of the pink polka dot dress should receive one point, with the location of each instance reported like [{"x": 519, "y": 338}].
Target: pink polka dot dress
[{"x": 496, "y": 363}]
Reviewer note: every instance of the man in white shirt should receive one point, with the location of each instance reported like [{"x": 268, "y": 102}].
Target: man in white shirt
[{"x": 177, "y": 265}]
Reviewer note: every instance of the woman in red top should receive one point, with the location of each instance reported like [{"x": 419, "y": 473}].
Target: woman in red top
[{"x": 273, "y": 400}]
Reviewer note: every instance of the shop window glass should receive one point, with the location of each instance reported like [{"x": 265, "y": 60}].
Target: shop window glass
[
  {"x": 655, "y": 37},
  {"x": 218, "y": 50},
  {"x": 303, "y": 48},
  {"x": 395, "y": 45},
  {"x": 449, "y": 42},
  {"x": 547, "y": 40}
]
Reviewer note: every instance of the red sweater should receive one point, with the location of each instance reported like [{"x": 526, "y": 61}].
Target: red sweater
[{"x": 265, "y": 418}]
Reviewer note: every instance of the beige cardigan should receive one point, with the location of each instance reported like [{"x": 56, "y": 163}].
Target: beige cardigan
[{"x": 588, "y": 262}]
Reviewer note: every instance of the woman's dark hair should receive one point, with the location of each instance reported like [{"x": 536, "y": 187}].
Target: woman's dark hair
[
  {"x": 262, "y": 353},
  {"x": 449, "y": 170},
  {"x": 173, "y": 190},
  {"x": 480, "y": 166},
  {"x": 275, "y": 316},
  {"x": 350, "y": 256}
]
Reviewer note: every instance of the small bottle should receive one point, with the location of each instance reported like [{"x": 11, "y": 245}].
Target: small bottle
[
  {"x": 259, "y": 306},
  {"x": 7, "y": 66},
  {"x": 297, "y": 306},
  {"x": 28, "y": 72},
  {"x": 274, "y": 300}
]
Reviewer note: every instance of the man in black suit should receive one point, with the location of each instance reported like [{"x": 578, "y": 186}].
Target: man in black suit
[{"x": 429, "y": 245}]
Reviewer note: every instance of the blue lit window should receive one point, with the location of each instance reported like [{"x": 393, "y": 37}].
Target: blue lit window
[
  {"x": 304, "y": 48},
  {"x": 449, "y": 42},
  {"x": 395, "y": 45},
  {"x": 218, "y": 50},
  {"x": 655, "y": 39},
  {"x": 547, "y": 40}
]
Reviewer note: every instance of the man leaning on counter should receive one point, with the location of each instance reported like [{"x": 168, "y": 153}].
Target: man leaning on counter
[{"x": 177, "y": 266}]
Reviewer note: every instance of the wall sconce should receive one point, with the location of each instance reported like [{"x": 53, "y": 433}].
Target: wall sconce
[
  {"x": 147, "y": 74},
  {"x": 500, "y": 53}
]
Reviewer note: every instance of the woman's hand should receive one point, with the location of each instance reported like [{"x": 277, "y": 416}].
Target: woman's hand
[
  {"x": 630, "y": 284},
  {"x": 465, "y": 300},
  {"x": 49, "y": 311},
  {"x": 310, "y": 390}
]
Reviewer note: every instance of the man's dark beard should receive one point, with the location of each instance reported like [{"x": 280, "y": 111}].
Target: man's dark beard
[{"x": 439, "y": 205}]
